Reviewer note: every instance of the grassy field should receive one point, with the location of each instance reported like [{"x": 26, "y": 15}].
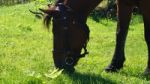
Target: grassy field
[{"x": 25, "y": 52}]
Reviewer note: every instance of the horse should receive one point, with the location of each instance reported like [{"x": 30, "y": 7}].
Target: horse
[
  {"x": 124, "y": 12},
  {"x": 70, "y": 31}
]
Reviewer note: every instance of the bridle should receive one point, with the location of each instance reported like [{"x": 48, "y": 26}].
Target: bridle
[{"x": 70, "y": 60}]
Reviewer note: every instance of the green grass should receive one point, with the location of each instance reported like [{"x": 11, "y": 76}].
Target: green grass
[{"x": 25, "y": 52}]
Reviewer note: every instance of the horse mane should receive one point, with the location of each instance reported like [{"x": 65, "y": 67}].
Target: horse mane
[
  {"x": 48, "y": 15},
  {"x": 49, "y": 12}
]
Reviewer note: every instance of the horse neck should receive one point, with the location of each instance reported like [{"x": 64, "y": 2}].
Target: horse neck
[{"x": 83, "y": 7}]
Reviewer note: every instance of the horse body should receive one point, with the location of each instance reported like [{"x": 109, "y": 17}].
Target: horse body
[{"x": 124, "y": 12}]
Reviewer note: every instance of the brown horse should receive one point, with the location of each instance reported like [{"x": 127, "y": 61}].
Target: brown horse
[
  {"x": 70, "y": 31},
  {"x": 124, "y": 12}
]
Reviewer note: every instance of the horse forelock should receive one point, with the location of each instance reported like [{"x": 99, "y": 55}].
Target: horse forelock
[
  {"x": 48, "y": 15},
  {"x": 47, "y": 20},
  {"x": 50, "y": 10}
]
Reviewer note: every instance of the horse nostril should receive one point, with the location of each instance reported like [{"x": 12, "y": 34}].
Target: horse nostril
[{"x": 69, "y": 61}]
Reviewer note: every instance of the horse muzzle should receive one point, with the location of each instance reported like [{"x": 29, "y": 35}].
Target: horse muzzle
[{"x": 63, "y": 59}]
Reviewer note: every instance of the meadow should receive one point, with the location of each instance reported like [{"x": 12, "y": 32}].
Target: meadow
[{"x": 26, "y": 57}]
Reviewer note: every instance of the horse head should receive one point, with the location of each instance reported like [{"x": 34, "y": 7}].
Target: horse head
[
  {"x": 70, "y": 35},
  {"x": 70, "y": 31}
]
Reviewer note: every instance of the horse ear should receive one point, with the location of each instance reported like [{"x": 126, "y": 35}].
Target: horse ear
[
  {"x": 49, "y": 5},
  {"x": 50, "y": 10}
]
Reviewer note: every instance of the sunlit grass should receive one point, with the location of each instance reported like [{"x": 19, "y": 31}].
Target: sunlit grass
[{"x": 25, "y": 52}]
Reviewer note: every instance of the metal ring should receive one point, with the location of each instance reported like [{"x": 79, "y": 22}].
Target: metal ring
[{"x": 69, "y": 61}]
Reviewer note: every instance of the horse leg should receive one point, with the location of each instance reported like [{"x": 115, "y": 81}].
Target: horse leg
[
  {"x": 147, "y": 39},
  {"x": 144, "y": 6},
  {"x": 124, "y": 15}
]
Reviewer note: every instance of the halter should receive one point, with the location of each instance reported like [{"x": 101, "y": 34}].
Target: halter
[{"x": 69, "y": 60}]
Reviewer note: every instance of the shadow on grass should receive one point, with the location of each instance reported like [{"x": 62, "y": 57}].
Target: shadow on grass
[
  {"x": 147, "y": 77},
  {"x": 139, "y": 75},
  {"x": 80, "y": 78}
]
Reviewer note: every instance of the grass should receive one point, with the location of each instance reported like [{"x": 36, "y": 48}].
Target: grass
[{"x": 25, "y": 52}]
